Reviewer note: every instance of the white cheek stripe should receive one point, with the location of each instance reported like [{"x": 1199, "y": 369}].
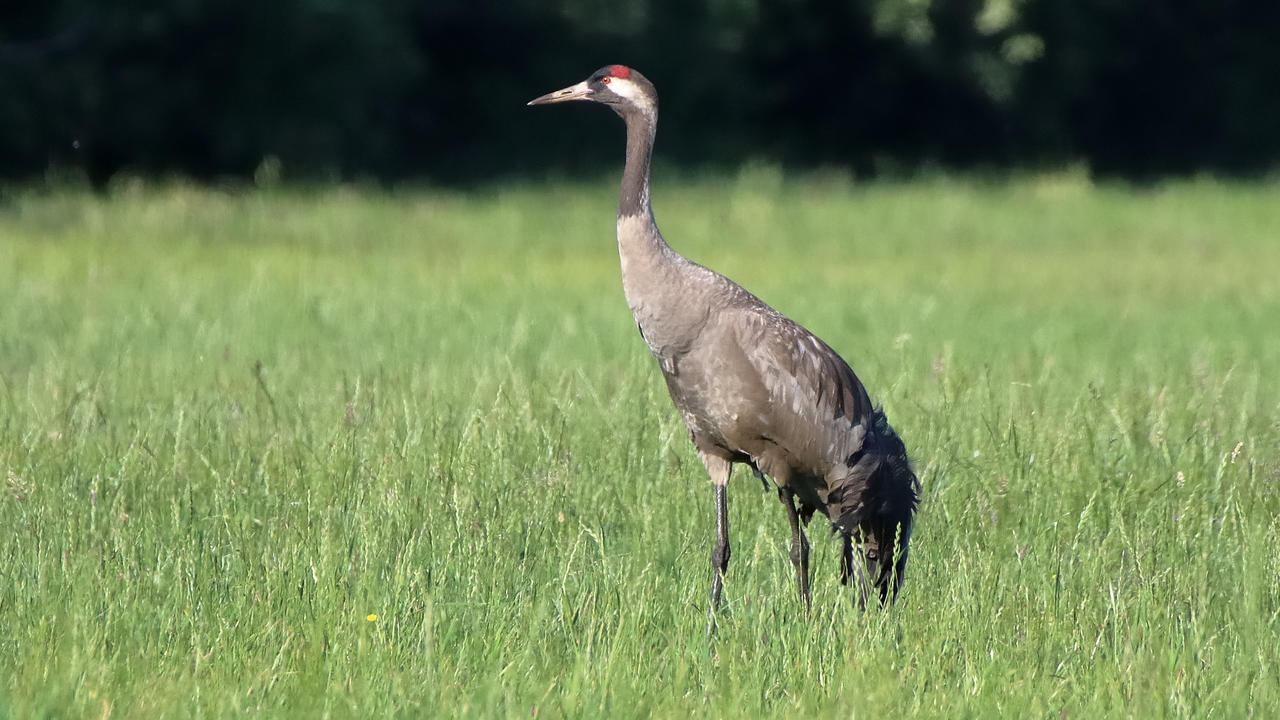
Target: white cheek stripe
[{"x": 625, "y": 88}]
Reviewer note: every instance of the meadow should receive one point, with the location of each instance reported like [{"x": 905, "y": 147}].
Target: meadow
[{"x": 350, "y": 452}]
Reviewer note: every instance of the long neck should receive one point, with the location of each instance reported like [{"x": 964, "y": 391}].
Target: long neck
[
  {"x": 646, "y": 258},
  {"x": 633, "y": 200}
]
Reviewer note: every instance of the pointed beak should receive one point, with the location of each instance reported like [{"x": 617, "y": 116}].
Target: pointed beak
[{"x": 573, "y": 92}]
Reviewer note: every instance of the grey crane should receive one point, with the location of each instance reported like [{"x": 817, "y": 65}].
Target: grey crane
[{"x": 753, "y": 386}]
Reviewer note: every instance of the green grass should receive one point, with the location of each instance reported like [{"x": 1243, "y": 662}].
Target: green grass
[{"x": 234, "y": 425}]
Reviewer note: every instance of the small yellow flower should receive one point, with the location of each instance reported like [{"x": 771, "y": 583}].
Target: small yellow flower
[{"x": 371, "y": 617}]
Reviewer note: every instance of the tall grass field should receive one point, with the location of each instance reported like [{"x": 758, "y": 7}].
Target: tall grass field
[{"x": 360, "y": 453}]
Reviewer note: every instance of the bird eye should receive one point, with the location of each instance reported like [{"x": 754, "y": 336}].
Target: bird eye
[{"x": 605, "y": 79}]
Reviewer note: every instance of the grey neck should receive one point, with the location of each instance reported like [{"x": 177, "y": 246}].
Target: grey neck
[{"x": 633, "y": 200}]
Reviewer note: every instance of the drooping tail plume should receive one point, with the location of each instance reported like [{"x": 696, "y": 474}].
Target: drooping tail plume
[{"x": 877, "y": 505}]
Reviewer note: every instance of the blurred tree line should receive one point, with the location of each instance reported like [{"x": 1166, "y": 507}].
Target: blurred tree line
[{"x": 436, "y": 88}]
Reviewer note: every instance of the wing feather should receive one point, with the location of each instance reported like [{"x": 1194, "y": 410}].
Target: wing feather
[{"x": 817, "y": 406}]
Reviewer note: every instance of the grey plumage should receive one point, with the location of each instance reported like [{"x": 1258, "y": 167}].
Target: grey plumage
[{"x": 754, "y": 387}]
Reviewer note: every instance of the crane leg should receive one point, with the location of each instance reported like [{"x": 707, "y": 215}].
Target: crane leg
[
  {"x": 720, "y": 552},
  {"x": 719, "y": 470},
  {"x": 846, "y": 557},
  {"x": 799, "y": 546}
]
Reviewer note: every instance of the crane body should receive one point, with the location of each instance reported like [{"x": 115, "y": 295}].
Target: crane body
[{"x": 754, "y": 387}]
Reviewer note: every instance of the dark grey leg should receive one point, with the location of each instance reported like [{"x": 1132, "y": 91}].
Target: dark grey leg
[
  {"x": 799, "y": 546},
  {"x": 862, "y": 567},
  {"x": 719, "y": 470},
  {"x": 846, "y": 557},
  {"x": 720, "y": 553}
]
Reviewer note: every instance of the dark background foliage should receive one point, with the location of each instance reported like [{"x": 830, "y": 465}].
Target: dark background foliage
[{"x": 396, "y": 89}]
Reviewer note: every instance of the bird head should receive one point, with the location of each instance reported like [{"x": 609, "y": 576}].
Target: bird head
[{"x": 617, "y": 86}]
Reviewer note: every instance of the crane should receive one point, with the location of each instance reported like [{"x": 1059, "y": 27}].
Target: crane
[{"x": 754, "y": 387}]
